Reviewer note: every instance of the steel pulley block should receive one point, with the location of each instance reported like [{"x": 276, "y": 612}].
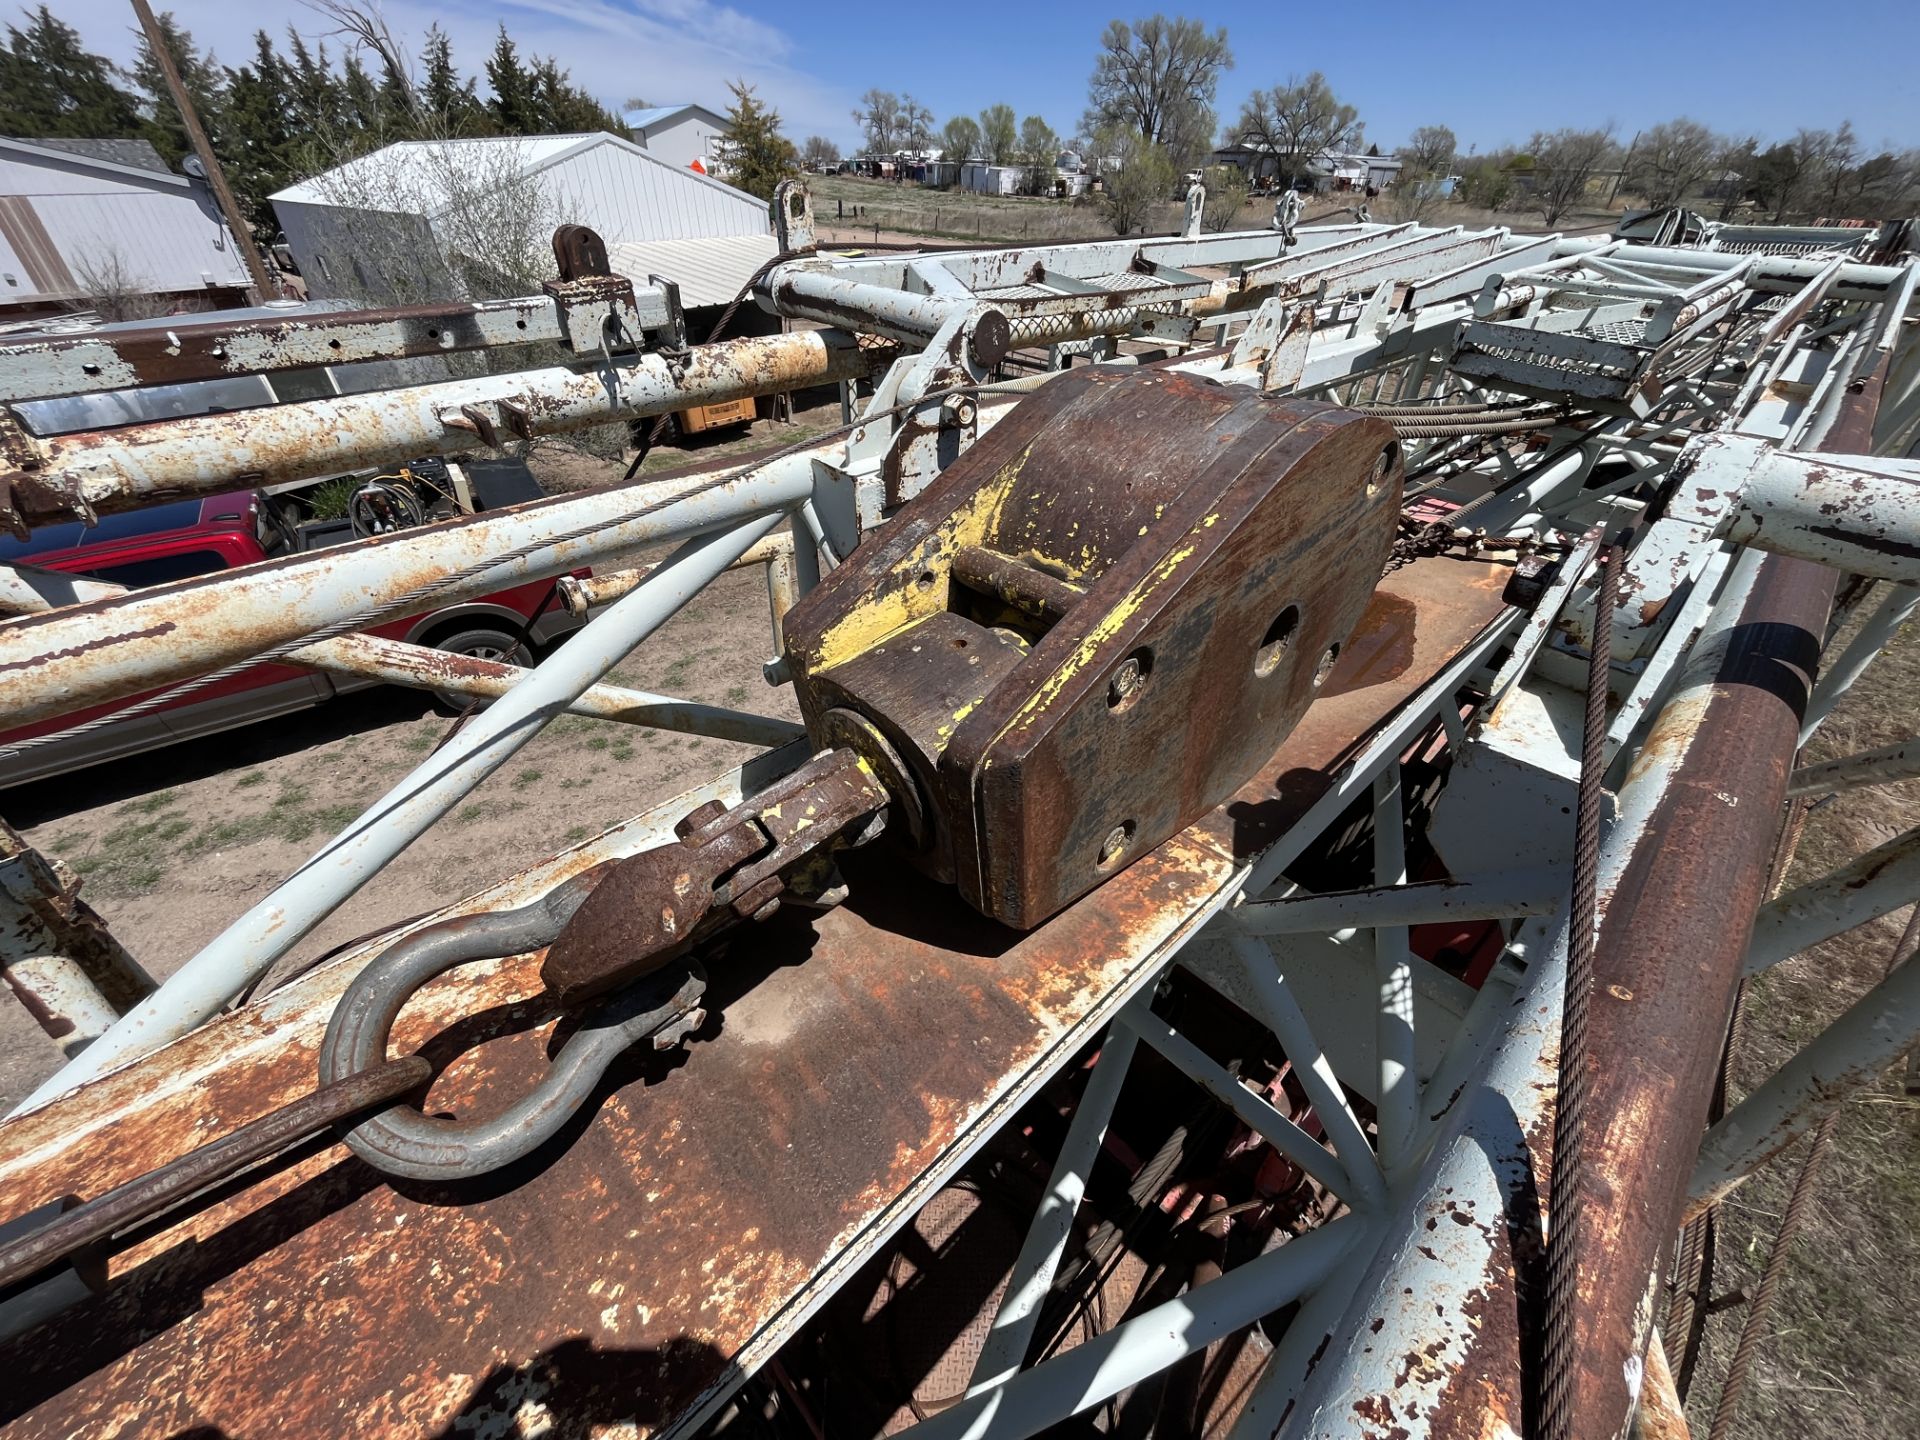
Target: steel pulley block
[
  {"x": 1096, "y": 624},
  {"x": 1094, "y": 627}
]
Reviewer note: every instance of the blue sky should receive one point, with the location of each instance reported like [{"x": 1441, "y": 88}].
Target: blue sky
[{"x": 1493, "y": 72}]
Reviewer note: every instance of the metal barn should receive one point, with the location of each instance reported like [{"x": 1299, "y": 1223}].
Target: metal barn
[
  {"x": 76, "y": 214},
  {"x": 351, "y": 227}
]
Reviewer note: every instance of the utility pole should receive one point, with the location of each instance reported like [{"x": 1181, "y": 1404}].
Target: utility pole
[
  {"x": 1618, "y": 175},
  {"x": 216, "y": 177}
]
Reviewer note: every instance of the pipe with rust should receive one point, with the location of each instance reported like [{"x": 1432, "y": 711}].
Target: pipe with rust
[
  {"x": 69, "y": 659},
  {"x": 1672, "y": 939},
  {"x": 134, "y": 465},
  {"x": 421, "y": 667}
]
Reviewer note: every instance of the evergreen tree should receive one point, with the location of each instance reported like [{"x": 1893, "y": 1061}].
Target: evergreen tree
[
  {"x": 199, "y": 74},
  {"x": 259, "y": 143},
  {"x": 313, "y": 93},
  {"x": 53, "y": 87},
  {"x": 360, "y": 102},
  {"x": 514, "y": 107},
  {"x": 448, "y": 100},
  {"x": 564, "y": 108},
  {"x": 756, "y": 155}
]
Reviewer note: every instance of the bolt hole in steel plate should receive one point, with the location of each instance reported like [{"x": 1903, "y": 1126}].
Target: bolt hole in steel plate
[
  {"x": 925, "y": 579},
  {"x": 1383, "y": 468},
  {"x": 1129, "y": 679},
  {"x": 1325, "y": 667},
  {"x": 1275, "y": 643},
  {"x": 1114, "y": 848}
]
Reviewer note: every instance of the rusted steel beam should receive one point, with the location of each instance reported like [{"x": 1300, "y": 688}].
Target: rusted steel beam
[
  {"x": 56, "y": 478},
  {"x": 636, "y": 1271},
  {"x": 580, "y": 593},
  {"x": 48, "y": 365},
  {"x": 1672, "y": 937}
]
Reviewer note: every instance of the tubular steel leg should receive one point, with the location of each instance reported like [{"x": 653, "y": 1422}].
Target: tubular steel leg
[
  {"x": 1883, "y": 766},
  {"x": 1877, "y": 1029},
  {"x": 1006, "y": 1344},
  {"x": 1255, "y": 1113},
  {"x": 1878, "y": 883},
  {"x": 272, "y": 927},
  {"x": 1875, "y": 635},
  {"x": 1286, "y": 1369},
  {"x": 1399, "y": 1105},
  {"x": 1284, "y": 1018},
  {"x": 1146, "y": 1344}
]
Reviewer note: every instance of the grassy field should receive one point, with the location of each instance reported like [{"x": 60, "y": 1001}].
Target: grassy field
[
  {"x": 1841, "y": 1356},
  {"x": 847, "y": 205}
]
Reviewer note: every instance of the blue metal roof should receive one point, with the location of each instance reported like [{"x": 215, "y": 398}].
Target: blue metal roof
[{"x": 647, "y": 119}]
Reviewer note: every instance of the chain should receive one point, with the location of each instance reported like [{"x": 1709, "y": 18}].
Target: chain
[{"x": 1416, "y": 540}]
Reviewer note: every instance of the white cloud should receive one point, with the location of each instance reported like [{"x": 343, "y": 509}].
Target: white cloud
[{"x": 669, "y": 51}]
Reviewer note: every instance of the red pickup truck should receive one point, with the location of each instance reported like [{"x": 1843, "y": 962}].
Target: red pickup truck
[{"x": 197, "y": 537}]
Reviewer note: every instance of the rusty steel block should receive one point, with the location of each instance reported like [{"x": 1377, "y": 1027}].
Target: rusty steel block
[{"x": 1098, "y": 622}]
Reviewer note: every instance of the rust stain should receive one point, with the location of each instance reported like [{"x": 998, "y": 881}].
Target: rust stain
[{"x": 613, "y": 1278}]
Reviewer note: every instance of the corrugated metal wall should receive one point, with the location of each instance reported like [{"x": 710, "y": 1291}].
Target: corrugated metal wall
[
  {"x": 631, "y": 197},
  {"x": 161, "y": 238},
  {"x": 678, "y": 142}
]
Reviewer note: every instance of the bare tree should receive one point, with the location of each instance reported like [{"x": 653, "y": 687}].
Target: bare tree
[
  {"x": 1836, "y": 157},
  {"x": 1416, "y": 195},
  {"x": 1430, "y": 150},
  {"x": 1672, "y": 161},
  {"x": 880, "y": 121},
  {"x": 114, "y": 289},
  {"x": 818, "y": 151},
  {"x": 367, "y": 29},
  {"x": 1298, "y": 122},
  {"x": 1736, "y": 164},
  {"x": 439, "y": 220},
  {"x": 916, "y": 124},
  {"x": 1564, "y": 162},
  {"x": 1226, "y": 196},
  {"x": 1135, "y": 175},
  {"x": 1157, "y": 78}
]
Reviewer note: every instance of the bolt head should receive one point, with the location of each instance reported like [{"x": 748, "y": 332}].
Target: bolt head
[{"x": 1126, "y": 682}]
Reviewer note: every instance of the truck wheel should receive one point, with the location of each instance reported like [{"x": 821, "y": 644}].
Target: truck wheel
[{"x": 482, "y": 643}]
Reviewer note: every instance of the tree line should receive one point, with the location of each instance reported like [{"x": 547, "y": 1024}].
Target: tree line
[
  {"x": 294, "y": 107},
  {"x": 1151, "y": 117}
]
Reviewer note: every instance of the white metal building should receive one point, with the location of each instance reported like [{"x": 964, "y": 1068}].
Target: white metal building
[
  {"x": 679, "y": 134},
  {"x": 990, "y": 179},
  {"x": 75, "y": 214},
  {"x": 350, "y": 227},
  {"x": 709, "y": 271}
]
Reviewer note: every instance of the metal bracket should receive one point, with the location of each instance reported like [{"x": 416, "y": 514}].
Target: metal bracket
[{"x": 793, "y": 216}]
